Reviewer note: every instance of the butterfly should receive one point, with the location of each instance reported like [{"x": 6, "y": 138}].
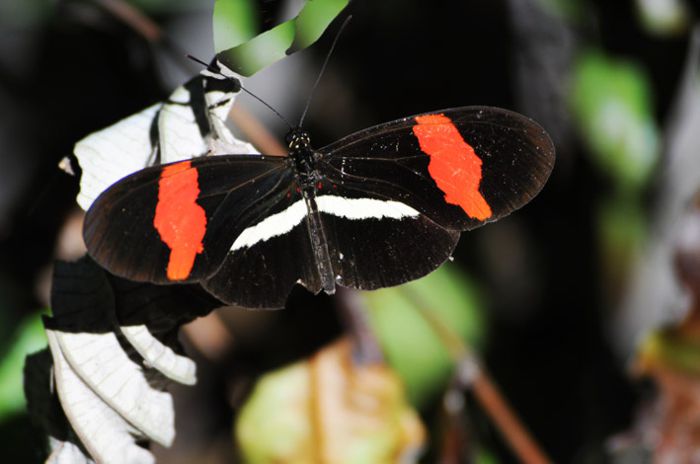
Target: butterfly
[{"x": 375, "y": 209}]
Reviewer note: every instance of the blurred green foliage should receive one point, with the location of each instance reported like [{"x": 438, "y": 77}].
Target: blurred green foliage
[
  {"x": 572, "y": 10},
  {"x": 623, "y": 229},
  {"x": 485, "y": 457},
  {"x": 25, "y": 13},
  {"x": 411, "y": 346},
  {"x": 671, "y": 348},
  {"x": 612, "y": 104},
  {"x": 28, "y": 337}
]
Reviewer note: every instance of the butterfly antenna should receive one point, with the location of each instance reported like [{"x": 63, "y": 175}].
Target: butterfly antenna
[
  {"x": 197, "y": 60},
  {"x": 323, "y": 68},
  {"x": 270, "y": 107}
]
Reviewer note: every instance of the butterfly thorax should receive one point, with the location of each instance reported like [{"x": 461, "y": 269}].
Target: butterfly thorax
[{"x": 303, "y": 157}]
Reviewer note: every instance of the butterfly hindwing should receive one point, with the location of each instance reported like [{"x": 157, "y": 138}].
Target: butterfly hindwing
[
  {"x": 389, "y": 248},
  {"x": 176, "y": 222},
  {"x": 262, "y": 274}
]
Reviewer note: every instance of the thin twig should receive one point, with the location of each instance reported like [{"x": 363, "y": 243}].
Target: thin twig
[
  {"x": 472, "y": 375},
  {"x": 132, "y": 16},
  {"x": 366, "y": 349},
  {"x": 502, "y": 414}
]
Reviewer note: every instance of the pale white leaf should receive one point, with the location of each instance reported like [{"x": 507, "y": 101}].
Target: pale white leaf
[
  {"x": 104, "y": 433},
  {"x": 65, "y": 452},
  {"x": 108, "y": 155},
  {"x": 159, "y": 356},
  {"x": 101, "y": 363}
]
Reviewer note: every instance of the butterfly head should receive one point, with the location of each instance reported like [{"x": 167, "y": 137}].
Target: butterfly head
[
  {"x": 217, "y": 76},
  {"x": 298, "y": 139}
]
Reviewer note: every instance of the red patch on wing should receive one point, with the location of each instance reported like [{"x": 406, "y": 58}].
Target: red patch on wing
[
  {"x": 179, "y": 220},
  {"x": 453, "y": 165}
]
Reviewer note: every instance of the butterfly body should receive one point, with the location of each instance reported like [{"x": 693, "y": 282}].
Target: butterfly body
[{"x": 303, "y": 159}]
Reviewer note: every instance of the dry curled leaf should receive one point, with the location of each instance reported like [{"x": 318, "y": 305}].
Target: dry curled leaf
[
  {"x": 670, "y": 428},
  {"x": 329, "y": 409}
]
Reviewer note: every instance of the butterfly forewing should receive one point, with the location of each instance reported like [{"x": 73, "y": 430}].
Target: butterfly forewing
[
  {"x": 461, "y": 167},
  {"x": 176, "y": 222}
]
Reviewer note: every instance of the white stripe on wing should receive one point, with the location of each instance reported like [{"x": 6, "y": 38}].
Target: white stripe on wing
[{"x": 348, "y": 208}]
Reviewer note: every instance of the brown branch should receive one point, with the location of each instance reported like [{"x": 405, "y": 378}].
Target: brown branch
[
  {"x": 210, "y": 336},
  {"x": 471, "y": 375},
  {"x": 256, "y": 132},
  {"x": 133, "y": 17},
  {"x": 517, "y": 436}
]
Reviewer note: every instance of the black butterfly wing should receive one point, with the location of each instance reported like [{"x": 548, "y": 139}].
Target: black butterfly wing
[
  {"x": 462, "y": 167},
  {"x": 424, "y": 179},
  {"x": 175, "y": 223},
  {"x": 386, "y": 249}
]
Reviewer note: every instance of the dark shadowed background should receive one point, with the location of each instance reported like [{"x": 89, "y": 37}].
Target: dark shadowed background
[{"x": 553, "y": 278}]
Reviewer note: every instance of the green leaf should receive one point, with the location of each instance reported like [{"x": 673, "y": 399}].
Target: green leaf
[
  {"x": 313, "y": 19},
  {"x": 411, "y": 345},
  {"x": 238, "y": 46},
  {"x": 28, "y": 338},
  {"x": 234, "y": 23},
  {"x": 260, "y": 52},
  {"x": 612, "y": 103}
]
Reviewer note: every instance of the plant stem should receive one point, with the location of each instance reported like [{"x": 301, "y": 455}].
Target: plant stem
[
  {"x": 145, "y": 27},
  {"x": 472, "y": 376},
  {"x": 256, "y": 132},
  {"x": 354, "y": 316}
]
